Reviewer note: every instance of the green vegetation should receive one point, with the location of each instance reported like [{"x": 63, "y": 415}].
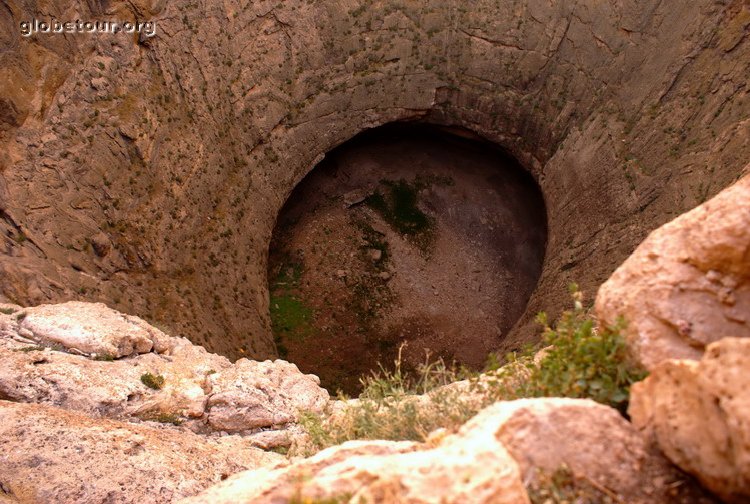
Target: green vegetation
[
  {"x": 152, "y": 381},
  {"x": 291, "y": 317},
  {"x": 578, "y": 361},
  {"x": 104, "y": 357},
  {"x": 7, "y": 311},
  {"x": 299, "y": 499},
  {"x": 34, "y": 348},
  {"x": 398, "y": 206},
  {"x": 575, "y": 359},
  {"x": 163, "y": 417}
]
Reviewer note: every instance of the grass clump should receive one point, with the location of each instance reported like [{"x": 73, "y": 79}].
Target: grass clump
[
  {"x": 393, "y": 406},
  {"x": 153, "y": 381},
  {"x": 575, "y": 359}
]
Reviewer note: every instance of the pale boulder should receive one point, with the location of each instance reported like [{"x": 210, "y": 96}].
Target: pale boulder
[
  {"x": 688, "y": 284},
  {"x": 698, "y": 413},
  {"x": 89, "y": 328},
  {"x": 471, "y": 466},
  {"x": 254, "y": 394},
  {"x": 49, "y": 455},
  {"x": 592, "y": 440},
  {"x": 204, "y": 391}
]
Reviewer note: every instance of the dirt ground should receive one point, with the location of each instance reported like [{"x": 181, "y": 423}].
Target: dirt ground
[{"x": 403, "y": 236}]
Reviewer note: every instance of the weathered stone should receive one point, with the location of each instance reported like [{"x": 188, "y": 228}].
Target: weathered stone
[
  {"x": 688, "y": 283},
  {"x": 49, "y": 455},
  {"x": 202, "y": 389},
  {"x": 590, "y": 439},
  {"x": 230, "y": 105},
  {"x": 90, "y": 328},
  {"x": 698, "y": 413},
  {"x": 254, "y": 394},
  {"x": 471, "y": 466}
]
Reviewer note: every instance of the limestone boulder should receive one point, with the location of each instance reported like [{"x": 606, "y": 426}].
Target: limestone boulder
[
  {"x": 698, "y": 413},
  {"x": 688, "y": 284},
  {"x": 175, "y": 382},
  {"x": 593, "y": 441},
  {"x": 49, "y": 455},
  {"x": 471, "y": 466},
  {"x": 254, "y": 394},
  {"x": 90, "y": 328}
]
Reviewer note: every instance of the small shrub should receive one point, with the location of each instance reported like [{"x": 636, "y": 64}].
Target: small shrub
[
  {"x": 7, "y": 311},
  {"x": 576, "y": 360},
  {"x": 392, "y": 406},
  {"x": 106, "y": 358},
  {"x": 152, "y": 381}
]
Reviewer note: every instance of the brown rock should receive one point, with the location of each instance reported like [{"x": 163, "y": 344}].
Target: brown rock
[
  {"x": 471, "y": 466},
  {"x": 49, "y": 455},
  {"x": 688, "y": 283},
  {"x": 698, "y": 413},
  {"x": 594, "y": 441}
]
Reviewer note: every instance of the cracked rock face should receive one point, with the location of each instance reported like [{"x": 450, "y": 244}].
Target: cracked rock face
[
  {"x": 116, "y": 150},
  {"x": 187, "y": 384},
  {"x": 688, "y": 284}
]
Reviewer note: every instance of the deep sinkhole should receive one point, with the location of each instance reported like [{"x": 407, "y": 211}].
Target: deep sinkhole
[{"x": 407, "y": 238}]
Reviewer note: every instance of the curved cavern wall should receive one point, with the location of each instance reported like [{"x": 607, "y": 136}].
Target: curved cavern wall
[{"x": 148, "y": 173}]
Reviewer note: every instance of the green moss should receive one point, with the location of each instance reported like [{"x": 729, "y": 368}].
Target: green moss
[
  {"x": 152, "y": 381},
  {"x": 290, "y": 317},
  {"x": 398, "y": 206}
]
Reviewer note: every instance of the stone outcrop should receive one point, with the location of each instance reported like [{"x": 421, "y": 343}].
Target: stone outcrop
[
  {"x": 486, "y": 461},
  {"x": 49, "y": 455},
  {"x": 148, "y": 172},
  {"x": 592, "y": 440},
  {"x": 92, "y": 359},
  {"x": 688, "y": 284},
  {"x": 698, "y": 413},
  {"x": 470, "y": 467}
]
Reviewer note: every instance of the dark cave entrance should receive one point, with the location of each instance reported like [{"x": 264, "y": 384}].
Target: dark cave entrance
[{"x": 407, "y": 234}]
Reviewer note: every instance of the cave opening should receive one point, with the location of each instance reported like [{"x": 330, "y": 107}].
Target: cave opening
[{"x": 408, "y": 238}]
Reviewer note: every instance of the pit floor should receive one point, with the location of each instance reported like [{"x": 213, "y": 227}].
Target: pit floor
[{"x": 403, "y": 237}]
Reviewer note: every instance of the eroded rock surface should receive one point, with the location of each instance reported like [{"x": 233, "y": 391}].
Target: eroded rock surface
[
  {"x": 699, "y": 415},
  {"x": 204, "y": 390},
  {"x": 116, "y": 149},
  {"x": 472, "y": 466},
  {"x": 505, "y": 445},
  {"x": 49, "y": 455},
  {"x": 688, "y": 284},
  {"x": 590, "y": 439}
]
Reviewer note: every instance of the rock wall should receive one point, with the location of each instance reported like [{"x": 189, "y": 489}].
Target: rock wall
[{"x": 148, "y": 172}]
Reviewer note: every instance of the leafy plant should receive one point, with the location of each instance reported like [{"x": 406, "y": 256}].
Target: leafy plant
[
  {"x": 153, "y": 381},
  {"x": 575, "y": 359}
]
